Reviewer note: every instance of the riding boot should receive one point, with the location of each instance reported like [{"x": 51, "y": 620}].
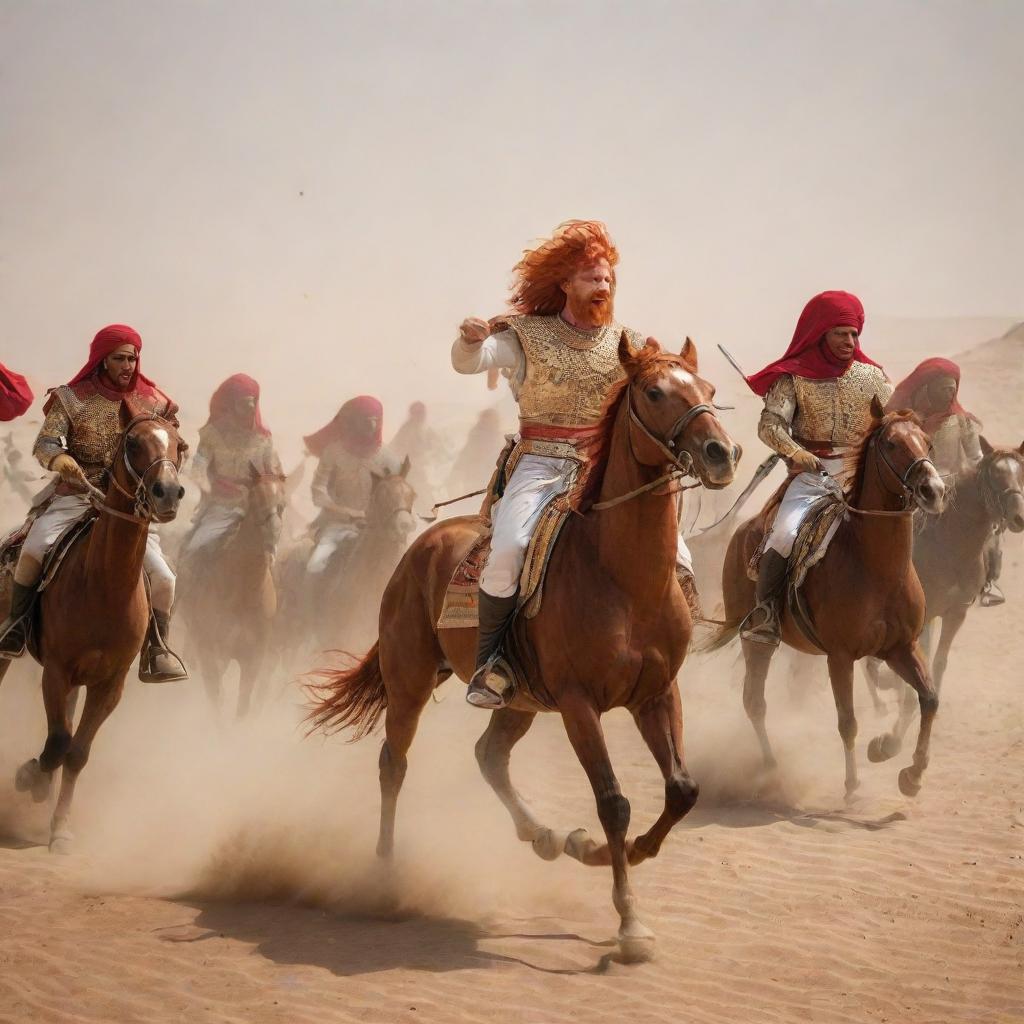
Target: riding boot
[
  {"x": 762, "y": 624},
  {"x": 492, "y": 685},
  {"x": 991, "y": 595},
  {"x": 689, "y": 584},
  {"x": 157, "y": 662},
  {"x": 14, "y": 631}
]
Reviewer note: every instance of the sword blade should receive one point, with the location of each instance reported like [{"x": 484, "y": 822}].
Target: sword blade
[
  {"x": 760, "y": 475},
  {"x": 732, "y": 362}
]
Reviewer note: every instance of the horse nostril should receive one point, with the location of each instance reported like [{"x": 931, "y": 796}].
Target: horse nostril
[
  {"x": 715, "y": 451},
  {"x": 737, "y": 451},
  {"x": 158, "y": 490},
  {"x": 181, "y": 492}
]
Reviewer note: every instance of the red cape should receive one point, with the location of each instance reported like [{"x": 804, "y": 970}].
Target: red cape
[
  {"x": 240, "y": 385},
  {"x": 15, "y": 394},
  {"x": 807, "y": 355},
  {"x": 925, "y": 373},
  {"x": 342, "y": 428}
]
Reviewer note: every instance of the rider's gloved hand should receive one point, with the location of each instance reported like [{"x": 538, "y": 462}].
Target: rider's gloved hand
[
  {"x": 806, "y": 462},
  {"x": 70, "y": 471},
  {"x": 473, "y": 330}
]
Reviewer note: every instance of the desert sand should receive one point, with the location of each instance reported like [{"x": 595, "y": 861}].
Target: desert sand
[{"x": 226, "y": 873}]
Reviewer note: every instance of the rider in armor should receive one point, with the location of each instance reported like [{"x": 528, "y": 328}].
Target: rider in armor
[
  {"x": 559, "y": 350},
  {"x": 817, "y": 405},
  {"x": 932, "y": 390},
  {"x": 78, "y": 440},
  {"x": 15, "y": 394},
  {"x": 350, "y": 453},
  {"x": 233, "y": 444}
]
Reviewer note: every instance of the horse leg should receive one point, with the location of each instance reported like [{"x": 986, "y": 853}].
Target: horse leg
[
  {"x": 660, "y": 722},
  {"x": 99, "y": 702},
  {"x": 909, "y": 664},
  {"x": 493, "y": 750},
  {"x": 583, "y": 725},
  {"x": 37, "y": 775},
  {"x": 872, "y": 675},
  {"x": 758, "y": 658},
  {"x": 951, "y": 623},
  {"x": 840, "y": 672}
]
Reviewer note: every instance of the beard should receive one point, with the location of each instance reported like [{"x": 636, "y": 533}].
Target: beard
[{"x": 590, "y": 312}]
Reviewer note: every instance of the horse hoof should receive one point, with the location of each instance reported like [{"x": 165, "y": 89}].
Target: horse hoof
[
  {"x": 575, "y": 843},
  {"x": 910, "y": 784},
  {"x": 851, "y": 789},
  {"x": 549, "y": 845},
  {"x": 61, "y": 843},
  {"x": 884, "y": 747},
  {"x": 31, "y": 778},
  {"x": 636, "y": 946}
]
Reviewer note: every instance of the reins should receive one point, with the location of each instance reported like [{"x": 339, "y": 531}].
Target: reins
[{"x": 901, "y": 479}]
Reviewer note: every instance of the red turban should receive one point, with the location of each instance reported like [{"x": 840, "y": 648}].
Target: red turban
[
  {"x": 105, "y": 342},
  {"x": 240, "y": 385},
  {"x": 807, "y": 356},
  {"x": 927, "y": 372},
  {"x": 15, "y": 394},
  {"x": 345, "y": 427}
]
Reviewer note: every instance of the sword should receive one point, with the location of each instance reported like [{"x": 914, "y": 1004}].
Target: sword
[
  {"x": 732, "y": 362},
  {"x": 760, "y": 474}
]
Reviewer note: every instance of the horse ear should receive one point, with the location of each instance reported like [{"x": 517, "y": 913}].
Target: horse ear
[
  {"x": 254, "y": 473},
  {"x": 986, "y": 448},
  {"x": 877, "y": 409},
  {"x": 125, "y": 415},
  {"x": 376, "y": 477},
  {"x": 1021, "y": 448},
  {"x": 403, "y": 472},
  {"x": 628, "y": 358},
  {"x": 688, "y": 353}
]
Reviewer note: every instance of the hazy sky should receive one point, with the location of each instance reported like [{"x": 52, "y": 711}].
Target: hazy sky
[{"x": 317, "y": 192}]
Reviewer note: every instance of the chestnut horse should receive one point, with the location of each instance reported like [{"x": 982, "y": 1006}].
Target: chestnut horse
[
  {"x": 93, "y": 616},
  {"x": 612, "y": 632},
  {"x": 228, "y": 598},
  {"x": 863, "y": 597},
  {"x": 949, "y": 556}
]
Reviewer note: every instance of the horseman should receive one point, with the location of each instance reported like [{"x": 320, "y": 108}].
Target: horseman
[
  {"x": 15, "y": 394},
  {"x": 78, "y": 440},
  {"x": 418, "y": 442},
  {"x": 932, "y": 390},
  {"x": 234, "y": 444},
  {"x": 559, "y": 350},
  {"x": 350, "y": 454},
  {"x": 817, "y": 405}
]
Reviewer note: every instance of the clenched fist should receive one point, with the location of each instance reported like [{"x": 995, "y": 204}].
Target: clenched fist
[
  {"x": 473, "y": 330},
  {"x": 70, "y": 471},
  {"x": 806, "y": 462}
]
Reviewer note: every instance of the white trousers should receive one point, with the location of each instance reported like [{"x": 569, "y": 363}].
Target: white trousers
[
  {"x": 803, "y": 491},
  {"x": 64, "y": 510},
  {"x": 536, "y": 480},
  {"x": 330, "y": 538},
  {"x": 216, "y": 522}
]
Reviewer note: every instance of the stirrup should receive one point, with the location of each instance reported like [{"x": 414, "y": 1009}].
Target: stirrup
[
  {"x": 147, "y": 675},
  {"x": 768, "y": 631},
  {"x": 17, "y": 624},
  {"x": 991, "y": 595},
  {"x": 482, "y": 694}
]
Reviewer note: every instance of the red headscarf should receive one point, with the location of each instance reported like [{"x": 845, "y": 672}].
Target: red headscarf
[
  {"x": 344, "y": 428},
  {"x": 105, "y": 342},
  {"x": 807, "y": 355},
  {"x": 15, "y": 394},
  {"x": 222, "y": 403},
  {"x": 926, "y": 372}
]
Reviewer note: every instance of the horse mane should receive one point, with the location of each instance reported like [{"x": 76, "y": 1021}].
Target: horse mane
[
  {"x": 855, "y": 460},
  {"x": 647, "y": 362}
]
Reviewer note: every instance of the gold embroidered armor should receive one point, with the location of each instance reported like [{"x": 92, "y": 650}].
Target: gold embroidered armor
[
  {"x": 343, "y": 482},
  {"x": 821, "y": 415},
  {"x": 568, "y": 371},
  {"x": 229, "y": 456},
  {"x": 87, "y": 426},
  {"x": 955, "y": 444}
]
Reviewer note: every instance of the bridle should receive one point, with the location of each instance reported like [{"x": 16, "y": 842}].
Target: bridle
[
  {"x": 680, "y": 459},
  {"x": 994, "y": 497},
  {"x": 141, "y": 513},
  {"x": 906, "y": 491},
  {"x": 391, "y": 519}
]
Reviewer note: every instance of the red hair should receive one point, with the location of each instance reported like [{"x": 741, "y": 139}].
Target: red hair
[{"x": 538, "y": 276}]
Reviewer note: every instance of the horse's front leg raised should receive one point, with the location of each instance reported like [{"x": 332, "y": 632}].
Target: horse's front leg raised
[
  {"x": 840, "y": 672},
  {"x": 909, "y": 664},
  {"x": 660, "y": 722},
  {"x": 583, "y": 725},
  {"x": 100, "y": 701}
]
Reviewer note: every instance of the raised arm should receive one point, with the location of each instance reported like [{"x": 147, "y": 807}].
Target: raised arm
[{"x": 477, "y": 351}]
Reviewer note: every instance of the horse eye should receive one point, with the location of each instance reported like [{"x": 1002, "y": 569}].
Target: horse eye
[{"x": 655, "y": 394}]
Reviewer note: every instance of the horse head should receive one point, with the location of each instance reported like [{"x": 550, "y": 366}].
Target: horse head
[
  {"x": 1002, "y": 475},
  {"x": 391, "y": 503},
  {"x": 267, "y": 501},
  {"x": 900, "y": 452},
  {"x": 673, "y": 411},
  {"x": 146, "y": 465}
]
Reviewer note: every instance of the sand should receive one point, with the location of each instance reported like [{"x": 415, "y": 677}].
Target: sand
[{"x": 226, "y": 873}]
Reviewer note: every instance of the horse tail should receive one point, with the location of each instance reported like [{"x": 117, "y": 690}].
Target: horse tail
[
  {"x": 720, "y": 637},
  {"x": 354, "y": 697}
]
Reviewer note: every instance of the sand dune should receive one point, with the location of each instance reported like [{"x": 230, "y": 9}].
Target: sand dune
[{"x": 227, "y": 874}]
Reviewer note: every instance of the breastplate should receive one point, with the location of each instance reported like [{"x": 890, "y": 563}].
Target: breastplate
[
  {"x": 233, "y": 454},
  {"x": 568, "y": 371},
  {"x": 838, "y": 412}
]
